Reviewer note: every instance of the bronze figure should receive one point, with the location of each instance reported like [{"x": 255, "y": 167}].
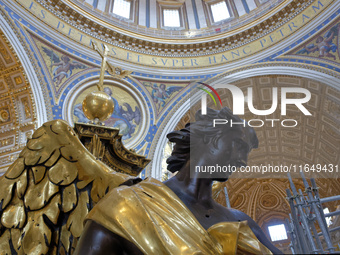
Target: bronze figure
[{"x": 180, "y": 216}]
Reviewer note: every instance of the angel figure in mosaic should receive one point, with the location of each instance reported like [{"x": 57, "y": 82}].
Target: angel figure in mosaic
[
  {"x": 323, "y": 44},
  {"x": 160, "y": 93},
  {"x": 61, "y": 67}
]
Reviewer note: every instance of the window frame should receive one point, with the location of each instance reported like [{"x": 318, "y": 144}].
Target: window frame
[
  {"x": 179, "y": 17},
  {"x": 132, "y": 11},
  {"x": 274, "y": 225},
  {"x": 209, "y": 3},
  {"x": 181, "y": 10}
]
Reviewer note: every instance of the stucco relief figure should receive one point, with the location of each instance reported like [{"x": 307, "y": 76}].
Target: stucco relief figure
[{"x": 180, "y": 216}]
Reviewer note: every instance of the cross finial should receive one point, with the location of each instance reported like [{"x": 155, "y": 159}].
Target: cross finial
[
  {"x": 114, "y": 71},
  {"x": 104, "y": 64}
]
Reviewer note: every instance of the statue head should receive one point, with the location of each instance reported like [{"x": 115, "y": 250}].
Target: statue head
[{"x": 200, "y": 143}]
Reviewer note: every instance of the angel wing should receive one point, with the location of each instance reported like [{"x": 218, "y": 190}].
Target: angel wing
[
  {"x": 47, "y": 192},
  {"x": 308, "y": 49},
  {"x": 54, "y": 57},
  {"x": 333, "y": 30},
  {"x": 172, "y": 89},
  {"x": 131, "y": 115},
  {"x": 75, "y": 64},
  {"x": 117, "y": 71}
]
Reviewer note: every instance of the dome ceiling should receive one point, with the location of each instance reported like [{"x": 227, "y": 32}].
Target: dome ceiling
[
  {"x": 226, "y": 34},
  {"x": 197, "y": 19},
  {"x": 214, "y": 47}
]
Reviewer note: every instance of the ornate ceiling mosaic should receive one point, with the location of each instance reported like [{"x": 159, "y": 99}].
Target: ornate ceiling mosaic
[
  {"x": 17, "y": 109},
  {"x": 215, "y": 50}
]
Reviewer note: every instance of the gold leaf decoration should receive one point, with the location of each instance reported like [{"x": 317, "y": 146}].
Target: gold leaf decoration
[
  {"x": 4, "y": 242},
  {"x": 54, "y": 173},
  {"x": 53, "y": 159},
  {"x": 65, "y": 240},
  {"x": 76, "y": 220},
  {"x": 35, "y": 234},
  {"x": 52, "y": 209},
  {"x": 32, "y": 157},
  {"x": 39, "y": 132},
  {"x": 5, "y": 192},
  {"x": 98, "y": 189},
  {"x": 35, "y": 144},
  {"x": 63, "y": 172},
  {"x": 70, "y": 154},
  {"x": 84, "y": 183},
  {"x": 23, "y": 152},
  {"x": 15, "y": 235}
]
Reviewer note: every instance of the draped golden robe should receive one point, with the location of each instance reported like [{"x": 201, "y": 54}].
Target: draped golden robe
[{"x": 151, "y": 216}]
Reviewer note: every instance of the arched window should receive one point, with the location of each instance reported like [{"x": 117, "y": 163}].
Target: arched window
[
  {"x": 171, "y": 18},
  {"x": 122, "y": 8},
  {"x": 219, "y": 11},
  {"x": 277, "y": 232}
]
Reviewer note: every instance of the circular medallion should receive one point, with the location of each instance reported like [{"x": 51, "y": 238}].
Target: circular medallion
[
  {"x": 269, "y": 201},
  {"x": 129, "y": 113}
]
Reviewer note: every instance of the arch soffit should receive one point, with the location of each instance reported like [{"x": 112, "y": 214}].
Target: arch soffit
[
  {"x": 36, "y": 86},
  {"x": 169, "y": 124}
]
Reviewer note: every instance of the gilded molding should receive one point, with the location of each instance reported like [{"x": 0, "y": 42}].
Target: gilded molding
[{"x": 106, "y": 144}]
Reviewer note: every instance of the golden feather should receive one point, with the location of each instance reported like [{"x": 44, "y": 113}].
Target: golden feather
[{"x": 47, "y": 192}]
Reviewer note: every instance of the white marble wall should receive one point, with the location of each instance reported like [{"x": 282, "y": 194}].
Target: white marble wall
[
  {"x": 153, "y": 13},
  {"x": 240, "y": 8},
  {"x": 142, "y": 13},
  {"x": 200, "y": 13},
  {"x": 190, "y": 14},
  {"x": 251, "y": 4}
]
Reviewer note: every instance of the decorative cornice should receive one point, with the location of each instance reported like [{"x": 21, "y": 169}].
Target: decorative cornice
[{"x": 188, "y": 47}]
